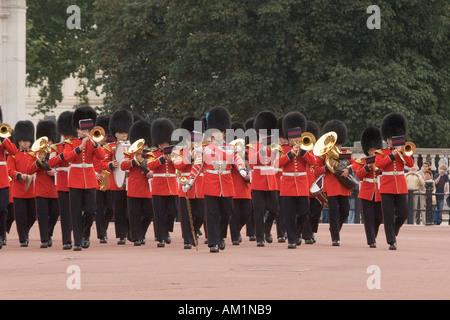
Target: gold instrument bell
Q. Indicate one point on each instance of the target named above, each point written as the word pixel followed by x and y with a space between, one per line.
pixel 97 134
pixel 307 141
pixel 41 145
pixel 137 147
pixel 409 148
pixel 326 146
pixel 5 130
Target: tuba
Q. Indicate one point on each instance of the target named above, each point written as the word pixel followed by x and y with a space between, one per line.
pixel 326 147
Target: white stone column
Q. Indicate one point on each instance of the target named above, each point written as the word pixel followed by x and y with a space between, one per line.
pixel 13 59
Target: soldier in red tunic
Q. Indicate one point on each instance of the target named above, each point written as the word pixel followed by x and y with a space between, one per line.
pixel 217 159
pixel 264 182
pixel 164 182
pixel 294 190
pixel 82 183
pixel 139 196
pixel 368 173
pixel 46 195
pixel 6 146
pixel 119 125
pixel 57 161
pixel 337 193
pixel 183 161
pixel 24 204
pixel 393 188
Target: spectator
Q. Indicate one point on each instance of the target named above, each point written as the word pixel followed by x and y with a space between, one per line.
pixel 441 181
pixel 422 201
pixel 415 184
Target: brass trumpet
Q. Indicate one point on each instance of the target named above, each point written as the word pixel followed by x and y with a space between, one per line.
pixel 97 134
pixel 5 130
pixel 408 149
pixel 307 141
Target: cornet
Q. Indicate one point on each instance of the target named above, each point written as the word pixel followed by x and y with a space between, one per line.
pixel 5 130
pixel 306 141
pixel 97 134
pixel 408 149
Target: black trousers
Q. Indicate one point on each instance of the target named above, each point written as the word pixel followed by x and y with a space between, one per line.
pixel 47 210
pixel 104 212
pixel 82 207
pixel 25 215
pixel 250 226
pixel 198 215
pixel 312 223
pixel 264 201
pixel 296 211
pixel 165 209
pixel 339 207
pixel 242 209
pixel 280 220
pixel 140 215
pixel 65 217
pixel 372 218
pixel 120 213
pixel 395 212
pixel 218 215
pixel 4 202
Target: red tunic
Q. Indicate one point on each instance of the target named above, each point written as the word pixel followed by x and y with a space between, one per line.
pixel 6 147
pixel 216 162
pixel 332 187
pixel 393 179
pixel 369 181
pixel 294 182
pixel 164 182
pixel 81 172
pixel 18 165
pixel 263 173
pixel 242 188
pixel 44 184
pixel 62 167
pixel 183 164
pixel 138 184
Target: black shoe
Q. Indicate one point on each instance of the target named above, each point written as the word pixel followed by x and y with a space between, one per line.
pixel 137 243
pixel 236 242
pixel 121 241
pixel 373 245
pixel 86 243
pixel 281 239
pixel 161 244
pixel 44 245
pixel 260 244
pixel 292 246
pixel 50 243
pixel 252 238
pixel 24 244
pixel 299 241
pixel 104 240
pixel 309 241
pixel 269 238
pixel 393 246
pixel 168 239
pixel 77 248
pixel 222 244
pixel 188 246
pixel 67 246
pixel 214 248
pixel 335 243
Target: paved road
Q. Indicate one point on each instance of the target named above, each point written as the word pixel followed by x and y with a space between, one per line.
pixel 419 269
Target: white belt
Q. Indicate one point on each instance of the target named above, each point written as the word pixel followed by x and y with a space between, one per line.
pixel 185 174
pixel 393 173
pixel 218 172
pixel 264 168
pixel 294 174
pixel 81 165
pixel 164 175
pixel 63 169
pixel 2 163
pixel 370 180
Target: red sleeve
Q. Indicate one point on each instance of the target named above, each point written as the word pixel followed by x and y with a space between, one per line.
pixel 9 146
pixel 127 163
pixel 11 164
pixel 69 152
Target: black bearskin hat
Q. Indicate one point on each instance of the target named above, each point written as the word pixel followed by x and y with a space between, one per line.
pixel 81 113
pixel 47 128
pixel 1 115
pixel 218 118
pixel 280 127
pixel 293 119
pixel 339 127
pixel 265 120
pixel 393 124
pixel 24 130
pixel 188 123
pixel 313 128
pixel 64 124
pixel 121 121
pixel 161 131
pixel 249 124
pixel 371 138
pixel 103 121
pixel 141 129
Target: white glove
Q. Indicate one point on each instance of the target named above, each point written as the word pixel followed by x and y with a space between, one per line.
pixel 187 186
pixel 243 173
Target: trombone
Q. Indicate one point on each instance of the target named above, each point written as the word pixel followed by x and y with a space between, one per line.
pixel 5 130
pixel 97 134
pixel 408 149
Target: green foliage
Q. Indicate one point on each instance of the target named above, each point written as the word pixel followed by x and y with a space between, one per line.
pixel 181 57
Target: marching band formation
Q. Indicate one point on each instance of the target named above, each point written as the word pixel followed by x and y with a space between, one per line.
pixel 220 175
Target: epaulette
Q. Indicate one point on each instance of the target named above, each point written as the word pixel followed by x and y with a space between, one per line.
pixel 359 161
pixel 250 146
pixel 379 151
pixel 68 141
pixel 32 154
pixel 54 146
pixel 107 148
